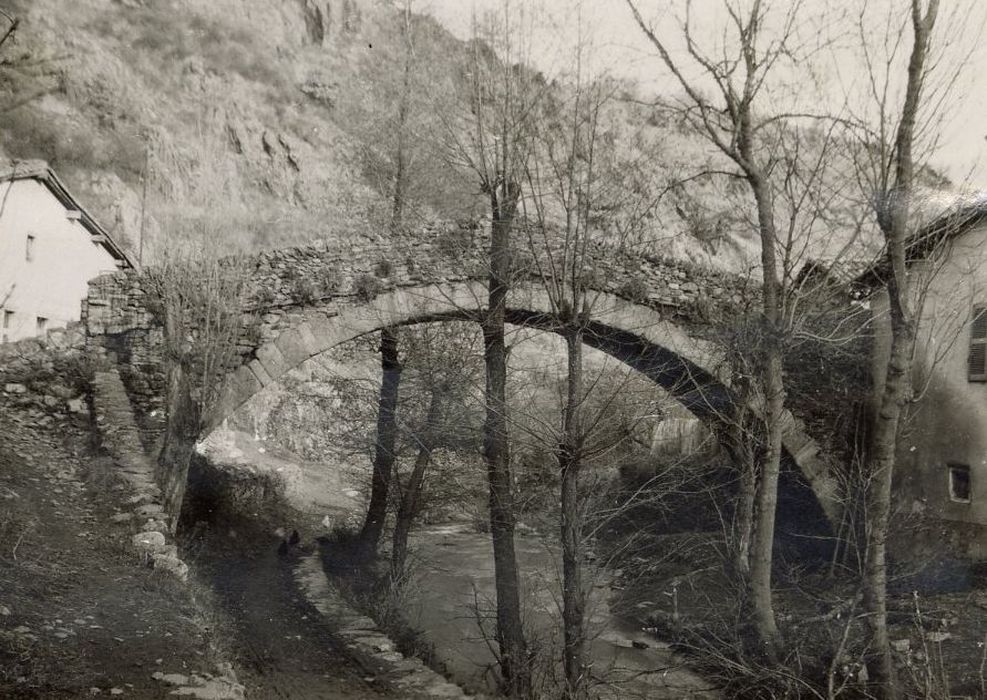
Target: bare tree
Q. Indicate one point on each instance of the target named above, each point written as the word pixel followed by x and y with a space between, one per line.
pixel 199 300
pixel 442 360
pixel 8 31
pixel 384 455
pixel 491 140
pixel 571 180
pixel 891 176
pixel 760 41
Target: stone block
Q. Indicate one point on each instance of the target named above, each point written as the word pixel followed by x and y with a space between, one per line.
pixel 357 321
pixel 240 386
pixel 311 342
pixel 258 369
pixel 293 348
pixel 272 360
pixel 172 565
pixel 150 509
pixel 148 540
pixel 164 551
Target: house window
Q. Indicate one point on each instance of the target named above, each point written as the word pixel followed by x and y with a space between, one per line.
pixel 8 319
pixel 959 483
pixel 29 249
pixel 41 326
pixel 977 357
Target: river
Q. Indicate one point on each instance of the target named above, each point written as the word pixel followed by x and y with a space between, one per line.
pixel 452 567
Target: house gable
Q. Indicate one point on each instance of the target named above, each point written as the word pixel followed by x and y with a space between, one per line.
pixel 49 249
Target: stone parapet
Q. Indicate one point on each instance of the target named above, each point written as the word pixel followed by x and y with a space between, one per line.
pixel 359 635
pixel 121 439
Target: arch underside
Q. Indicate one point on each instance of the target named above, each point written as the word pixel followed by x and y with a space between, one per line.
pixel 631 333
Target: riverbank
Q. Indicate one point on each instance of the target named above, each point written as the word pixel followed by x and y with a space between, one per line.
pixel 452 576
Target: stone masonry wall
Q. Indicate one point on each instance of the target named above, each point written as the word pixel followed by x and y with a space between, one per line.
pixel 286 284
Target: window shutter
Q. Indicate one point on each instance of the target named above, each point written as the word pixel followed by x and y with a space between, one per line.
pixel 977 357
pixel 977 361
pixel 978 330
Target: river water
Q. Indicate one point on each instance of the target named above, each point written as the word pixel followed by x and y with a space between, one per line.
pixel 452 570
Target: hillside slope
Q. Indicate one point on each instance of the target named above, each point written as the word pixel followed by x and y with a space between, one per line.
pixel 256 124
pixel 228 106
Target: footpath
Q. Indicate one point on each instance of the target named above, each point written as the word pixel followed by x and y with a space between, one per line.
pixel 82 614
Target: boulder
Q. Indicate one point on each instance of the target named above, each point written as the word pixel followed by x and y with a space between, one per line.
pixel 173 565
pixel 165 551
pixel 148 540
pixel 155 524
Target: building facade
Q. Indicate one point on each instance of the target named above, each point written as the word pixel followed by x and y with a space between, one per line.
pixel 50 248
pixel 941 466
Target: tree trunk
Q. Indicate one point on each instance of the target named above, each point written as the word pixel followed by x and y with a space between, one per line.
pixel 386 436
pixel 743 450
pixel 883 444
pixel 514 662
pixel 408 507
pixel 772 380
pixel 181 434
pixel 762 553
pixel 897 383
pixel 571 524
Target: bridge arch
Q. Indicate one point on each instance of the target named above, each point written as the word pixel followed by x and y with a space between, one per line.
pixel 634 333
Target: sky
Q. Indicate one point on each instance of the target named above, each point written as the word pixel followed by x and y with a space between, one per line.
pixel 620 46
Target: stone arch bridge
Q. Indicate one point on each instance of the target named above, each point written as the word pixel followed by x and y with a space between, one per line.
pixel 651 313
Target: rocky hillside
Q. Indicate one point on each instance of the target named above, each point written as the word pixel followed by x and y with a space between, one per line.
pixel 259 123
pixel 228 110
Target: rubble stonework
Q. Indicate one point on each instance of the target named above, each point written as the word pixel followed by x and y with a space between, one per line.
pixel 121 440
pixel 364 641
pixel 286 286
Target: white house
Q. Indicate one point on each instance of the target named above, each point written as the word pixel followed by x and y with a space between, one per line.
pixel 941 470
pixel 50 248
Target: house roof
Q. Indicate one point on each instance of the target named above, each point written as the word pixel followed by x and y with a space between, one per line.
pixel 837 271
pixel 958 217
pixel 40 170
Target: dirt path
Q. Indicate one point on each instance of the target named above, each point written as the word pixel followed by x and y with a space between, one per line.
pixel 80 617
pixel 284 650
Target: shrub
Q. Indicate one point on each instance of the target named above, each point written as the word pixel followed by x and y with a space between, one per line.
pixel 367 287
pixel 454 242
pixel 592 278
pixel 634 290
pixel 265 296
pixel 330 282
pixel 305 290
pixel 384 268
